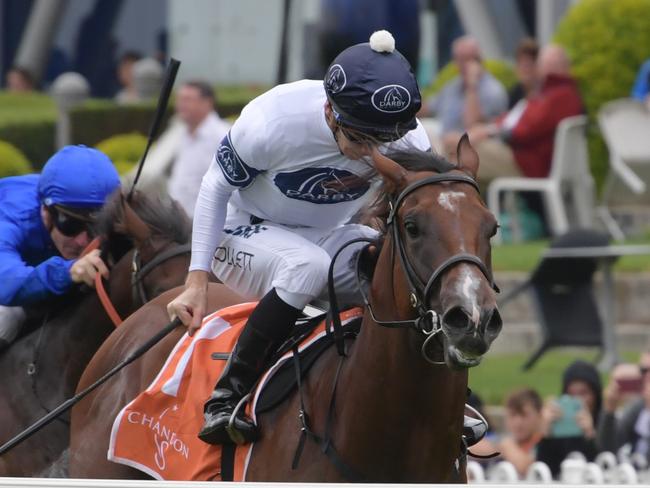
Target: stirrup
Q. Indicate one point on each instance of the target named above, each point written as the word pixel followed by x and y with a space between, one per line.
pixel 473 430
pixel 235 435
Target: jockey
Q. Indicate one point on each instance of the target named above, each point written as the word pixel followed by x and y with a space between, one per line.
pixel 276 203
pixel 44 226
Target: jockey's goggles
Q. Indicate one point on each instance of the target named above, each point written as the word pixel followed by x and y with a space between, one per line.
pixel 72 222
pixel 367 135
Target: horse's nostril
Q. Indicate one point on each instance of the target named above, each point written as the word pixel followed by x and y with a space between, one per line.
pixel 495 323
pixel 456 318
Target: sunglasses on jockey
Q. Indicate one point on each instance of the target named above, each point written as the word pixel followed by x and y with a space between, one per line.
pixel 367 135
pixel 73 221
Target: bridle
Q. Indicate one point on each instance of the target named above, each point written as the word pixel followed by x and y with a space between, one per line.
pixel 139 272
pixel 428 321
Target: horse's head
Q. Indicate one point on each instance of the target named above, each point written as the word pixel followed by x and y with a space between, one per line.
pixel 440 233
pixel 158 230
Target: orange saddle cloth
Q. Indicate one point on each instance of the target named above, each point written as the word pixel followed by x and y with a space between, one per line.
pixel 157 432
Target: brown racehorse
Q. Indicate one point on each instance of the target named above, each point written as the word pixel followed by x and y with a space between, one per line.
pixel 42 368
pixel 396 417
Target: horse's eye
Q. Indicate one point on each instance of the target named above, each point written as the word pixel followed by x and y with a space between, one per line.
pixel 411 229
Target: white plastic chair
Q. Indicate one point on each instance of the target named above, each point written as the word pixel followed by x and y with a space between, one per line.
pixel 625 127
pixel 569 177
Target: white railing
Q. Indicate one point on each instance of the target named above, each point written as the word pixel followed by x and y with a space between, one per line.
pixel 93 483
pixel 606 469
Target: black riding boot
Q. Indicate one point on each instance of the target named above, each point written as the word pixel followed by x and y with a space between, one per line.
pixel 267 327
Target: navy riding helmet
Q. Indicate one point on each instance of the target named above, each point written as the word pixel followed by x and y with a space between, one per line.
pixel 372 88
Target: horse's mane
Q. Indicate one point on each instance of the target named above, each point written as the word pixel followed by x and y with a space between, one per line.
pixel 164 216
pixel 411 160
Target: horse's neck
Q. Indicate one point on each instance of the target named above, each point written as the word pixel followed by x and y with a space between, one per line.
pixel 390 388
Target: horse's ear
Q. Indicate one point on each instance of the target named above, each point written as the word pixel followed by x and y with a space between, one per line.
pixel 393 174
pixel 134 226
pixel 467 156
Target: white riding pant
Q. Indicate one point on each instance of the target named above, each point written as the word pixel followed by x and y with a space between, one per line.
pixel 11 320
pixel 252 259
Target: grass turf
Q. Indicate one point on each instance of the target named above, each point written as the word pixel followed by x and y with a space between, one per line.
pixel 499 374
pixel 525 256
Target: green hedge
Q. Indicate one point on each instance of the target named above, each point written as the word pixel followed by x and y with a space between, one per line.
pixel 607 41
pixel 29 121
pixel 124 150
pixel 97 120
pixel 12 161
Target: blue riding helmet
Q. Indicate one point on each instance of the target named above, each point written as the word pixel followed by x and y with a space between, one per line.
pixel 77 176
pixel 372 88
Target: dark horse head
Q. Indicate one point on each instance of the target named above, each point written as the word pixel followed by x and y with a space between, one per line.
pixel 156 229
pixel 441 253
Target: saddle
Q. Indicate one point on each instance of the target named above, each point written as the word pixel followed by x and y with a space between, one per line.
pixel 157 432
pixel 284 381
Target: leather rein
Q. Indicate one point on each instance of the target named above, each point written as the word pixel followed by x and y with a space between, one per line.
pixel 138 273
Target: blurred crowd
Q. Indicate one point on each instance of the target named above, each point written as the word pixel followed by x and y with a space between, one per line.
pixel 584 417
pixel 513 131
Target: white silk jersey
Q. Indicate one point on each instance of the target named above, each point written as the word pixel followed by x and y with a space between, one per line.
pixel 281 163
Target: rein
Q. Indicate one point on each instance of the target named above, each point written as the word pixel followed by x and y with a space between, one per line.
pixel 138 273
pixel 102 294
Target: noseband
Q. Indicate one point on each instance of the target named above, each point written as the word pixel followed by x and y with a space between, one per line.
pixel 139 272
pixel 428 321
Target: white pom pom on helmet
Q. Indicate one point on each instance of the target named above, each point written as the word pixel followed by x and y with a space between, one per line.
pixel 382 41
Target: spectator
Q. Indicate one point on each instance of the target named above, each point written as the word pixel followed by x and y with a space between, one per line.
pixel 632 427
pixel 581 381
pixel 641 89
pixel 526 148
pixel 523 423
pixel 195 106
pixel 473 97
pixel 20 80
pixel 128 93
pixel 525 69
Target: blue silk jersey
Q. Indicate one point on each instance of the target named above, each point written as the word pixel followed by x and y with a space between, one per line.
pixel 31 268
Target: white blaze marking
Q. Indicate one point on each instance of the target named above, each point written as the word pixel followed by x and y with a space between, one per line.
pixel 468 286
pixel 449 199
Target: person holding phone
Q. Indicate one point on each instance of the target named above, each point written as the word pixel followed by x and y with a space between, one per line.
pixel 569 421
pixel 632 426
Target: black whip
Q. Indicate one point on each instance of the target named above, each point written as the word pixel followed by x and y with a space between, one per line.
pixel 163 100
pixel 68 404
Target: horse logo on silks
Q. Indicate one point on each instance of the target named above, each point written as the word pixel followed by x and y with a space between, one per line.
pixel 391 99
pixel 234 169
pixel 336 79
pixel 322 185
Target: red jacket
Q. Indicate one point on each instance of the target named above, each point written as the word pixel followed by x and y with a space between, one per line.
pixel 531 139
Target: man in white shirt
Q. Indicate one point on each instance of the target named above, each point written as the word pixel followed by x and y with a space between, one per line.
pixel 195 106
pixel 275 204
